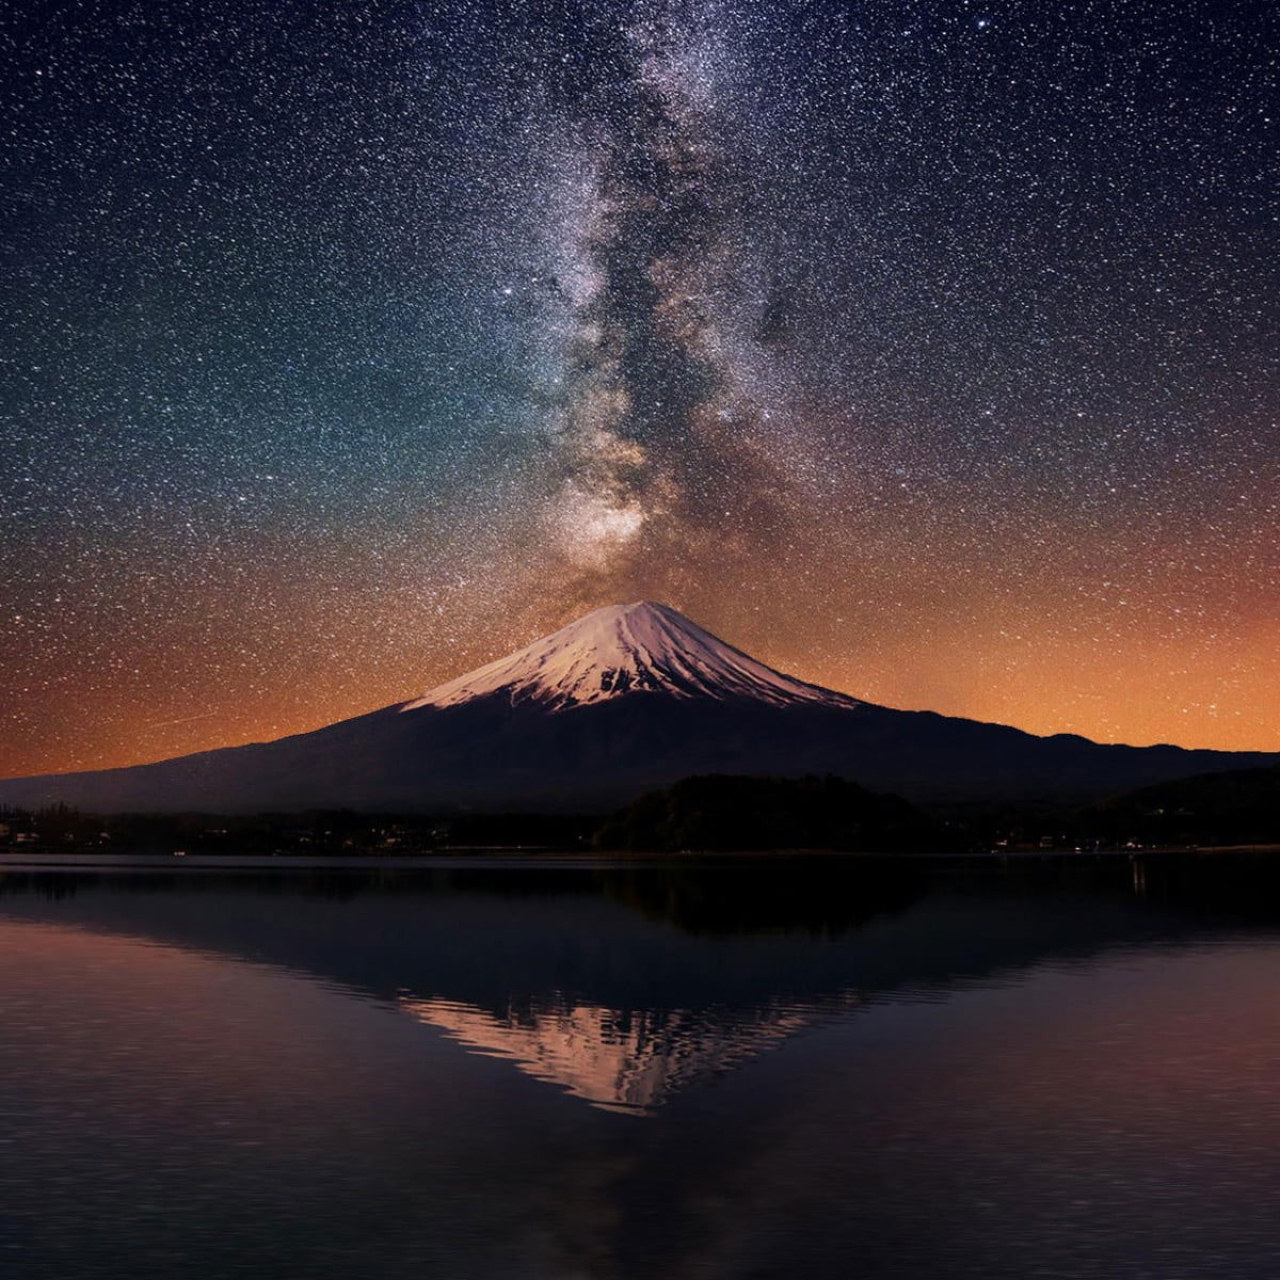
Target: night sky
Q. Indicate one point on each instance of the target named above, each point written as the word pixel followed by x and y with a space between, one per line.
pixel 927 351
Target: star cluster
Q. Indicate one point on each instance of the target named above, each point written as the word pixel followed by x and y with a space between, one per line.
pixel 927 350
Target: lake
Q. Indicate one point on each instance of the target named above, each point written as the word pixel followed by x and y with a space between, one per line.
pixel 767 1068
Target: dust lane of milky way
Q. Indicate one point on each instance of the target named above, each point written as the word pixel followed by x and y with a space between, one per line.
pixel 926 351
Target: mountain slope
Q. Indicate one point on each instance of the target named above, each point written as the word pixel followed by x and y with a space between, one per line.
pixel 625 700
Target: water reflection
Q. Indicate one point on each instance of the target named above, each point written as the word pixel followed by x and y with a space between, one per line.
pixel 628 1060
pixel 623 986
pixel 330 1075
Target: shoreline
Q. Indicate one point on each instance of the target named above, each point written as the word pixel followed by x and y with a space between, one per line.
pixel 516 856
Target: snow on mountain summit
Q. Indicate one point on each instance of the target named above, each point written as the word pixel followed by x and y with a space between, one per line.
pixel 622 650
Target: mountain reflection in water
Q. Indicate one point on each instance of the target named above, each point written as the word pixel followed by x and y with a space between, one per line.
pixel 622 985
pixel 391 1072
pixel 615 1059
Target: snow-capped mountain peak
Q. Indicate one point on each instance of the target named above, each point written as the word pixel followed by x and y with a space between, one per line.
pixel 626 650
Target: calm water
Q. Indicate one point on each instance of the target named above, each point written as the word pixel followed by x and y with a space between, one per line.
pixel 722 1072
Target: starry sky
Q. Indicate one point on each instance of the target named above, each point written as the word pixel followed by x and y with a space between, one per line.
pixel 929 351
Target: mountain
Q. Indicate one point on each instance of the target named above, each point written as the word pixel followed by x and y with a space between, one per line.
pixel 627 699
pixel 625 649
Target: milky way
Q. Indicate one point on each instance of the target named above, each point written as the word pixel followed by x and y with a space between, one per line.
pixel 928 351
pixel 655 439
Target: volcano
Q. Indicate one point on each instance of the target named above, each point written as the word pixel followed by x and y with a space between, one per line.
pixel 629 649
pixel 625 699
